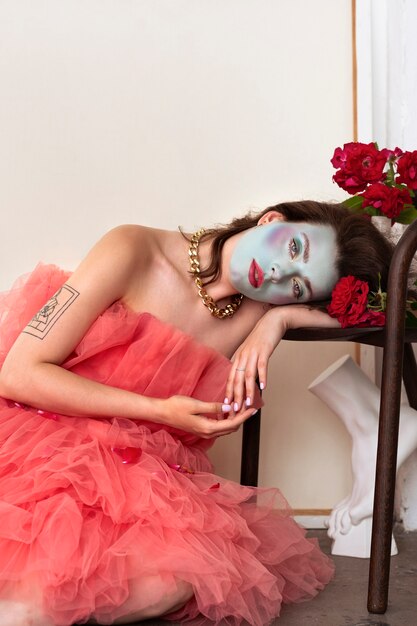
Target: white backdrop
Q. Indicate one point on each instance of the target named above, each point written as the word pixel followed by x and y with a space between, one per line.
pixel 185 112
pixel 387 53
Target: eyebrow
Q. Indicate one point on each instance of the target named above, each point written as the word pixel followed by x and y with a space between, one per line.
pixel 306 253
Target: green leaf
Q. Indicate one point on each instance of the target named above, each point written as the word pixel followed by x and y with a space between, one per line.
pixel 413 306
pixel 407 215
pixel 390 176
pixel 354 204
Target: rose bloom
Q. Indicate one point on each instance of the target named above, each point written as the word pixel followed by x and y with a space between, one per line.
pixel 407 169
pixel 349 301
pixel 349 304
pixel 372 318
pixel 389 200
pixel 392 154
pixel 358 165
pixel 348 182
pixel 340 157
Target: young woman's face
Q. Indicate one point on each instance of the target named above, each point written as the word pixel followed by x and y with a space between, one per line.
pixel 285 262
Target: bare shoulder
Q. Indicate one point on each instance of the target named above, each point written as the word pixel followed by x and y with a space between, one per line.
pixel 124 248
pixel 128 241
pixel 107 271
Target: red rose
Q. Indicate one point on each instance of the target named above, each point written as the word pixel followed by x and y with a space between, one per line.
pixel 407 169
pixel 372 318
pixel 349 301
pixel 339 157
pixel 358 165
pixel 348 182
pixel 389 200
pixel 392 154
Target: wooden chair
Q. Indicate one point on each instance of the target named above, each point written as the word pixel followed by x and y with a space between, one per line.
pixel 398 362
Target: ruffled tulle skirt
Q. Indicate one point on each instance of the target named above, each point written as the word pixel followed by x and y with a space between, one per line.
pixel 93 508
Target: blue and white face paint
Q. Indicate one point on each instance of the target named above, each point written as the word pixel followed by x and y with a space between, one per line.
pixel 283 262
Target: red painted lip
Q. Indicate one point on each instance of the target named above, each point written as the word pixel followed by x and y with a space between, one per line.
pixel 256 275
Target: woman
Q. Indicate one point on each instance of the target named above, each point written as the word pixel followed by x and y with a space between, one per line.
pixel 118 518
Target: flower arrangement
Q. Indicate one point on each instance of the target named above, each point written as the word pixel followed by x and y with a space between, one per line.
pixel 352 303
pixel 381 182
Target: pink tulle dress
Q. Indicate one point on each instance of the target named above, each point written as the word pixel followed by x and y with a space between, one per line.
pixel 89 505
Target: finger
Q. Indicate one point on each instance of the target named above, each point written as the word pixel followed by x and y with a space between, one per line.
pixel 250 378
pixel 239 388
pixel 220 408
pixel 244 390
pixel 263 371
pixel 227 432
pixel 235 375
pixel 233 423
pixel 229 386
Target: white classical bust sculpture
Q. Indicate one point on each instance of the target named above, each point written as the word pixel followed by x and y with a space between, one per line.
pixel 346 389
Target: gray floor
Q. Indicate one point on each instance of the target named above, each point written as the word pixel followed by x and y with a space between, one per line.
pixel 343 603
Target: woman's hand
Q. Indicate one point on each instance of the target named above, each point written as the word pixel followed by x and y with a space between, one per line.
pixel 251 358
pixel 189 414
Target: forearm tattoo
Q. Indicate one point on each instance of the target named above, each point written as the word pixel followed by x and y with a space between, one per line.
pixel 43 321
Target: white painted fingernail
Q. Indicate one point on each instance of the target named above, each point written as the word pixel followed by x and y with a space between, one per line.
pixel 226 408
pixel 254 412
pixel 226 400
pixel 262 386
pixel 236 407
pixel 248 401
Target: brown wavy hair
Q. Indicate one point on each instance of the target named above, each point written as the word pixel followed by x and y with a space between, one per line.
pixel 362 250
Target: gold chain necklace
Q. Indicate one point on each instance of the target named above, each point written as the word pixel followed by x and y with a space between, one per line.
pixel 229 309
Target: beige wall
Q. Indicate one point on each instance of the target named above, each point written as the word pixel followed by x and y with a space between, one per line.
pixel 179 112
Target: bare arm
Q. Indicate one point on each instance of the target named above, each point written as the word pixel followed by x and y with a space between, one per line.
pixel 251 358
pixel 32 372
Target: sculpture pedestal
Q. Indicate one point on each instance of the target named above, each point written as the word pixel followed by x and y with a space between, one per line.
pixel 357 542
pixel 355 400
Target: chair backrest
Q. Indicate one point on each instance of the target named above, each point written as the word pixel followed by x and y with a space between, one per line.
pixel 397 278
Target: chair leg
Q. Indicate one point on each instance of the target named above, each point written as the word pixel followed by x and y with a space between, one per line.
pixel 379 566
pixel 250 451
pixel 410 375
